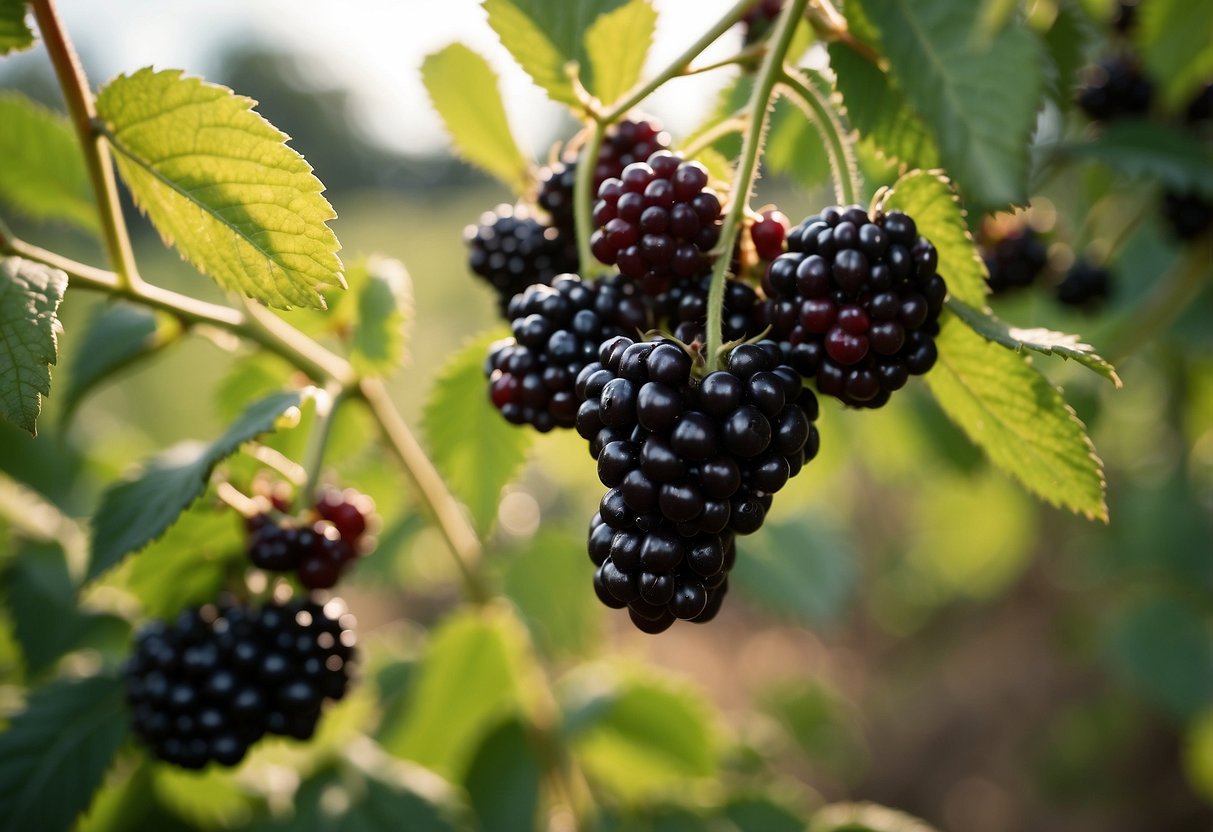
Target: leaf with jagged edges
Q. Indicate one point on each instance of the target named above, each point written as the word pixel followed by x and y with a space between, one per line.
pixel 617 44
pixel 464 90
pixel 1043 341
pixel 15 33
pixel 43 174
pixel 958 82
pixel 382 317
pixel 220 183
pixel 927 197
pixel 30 294
pixel 1018 418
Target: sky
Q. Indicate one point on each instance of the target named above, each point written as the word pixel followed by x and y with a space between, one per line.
pixel 373 47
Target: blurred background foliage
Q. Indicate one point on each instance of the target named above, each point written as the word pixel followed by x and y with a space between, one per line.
pixel 910 629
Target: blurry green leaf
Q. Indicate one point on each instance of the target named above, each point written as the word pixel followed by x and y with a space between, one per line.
pixel 476 449
pixel 54 753
pixel 815 96
pixel 1043 341
pixel 764 813
pixel 1066 42
pixel 1152 151
pixel 958 84
pixel 385 309
pixel 503 780
pixel 864 817
pixel 115 338
pixel 15 33
pixel 719 168
pixel 545 35
pixel 136 511
pixel 1165 647
pixel 640 736
pixel 467 681
pixel 794 148
pixel 1019 418
pixel 219 182
pixel 929 199
pixel 616 45
pixel 804 569
pixel 30 294
pixel 464 90
pixel 1164 533
pixel 1175 39
pixel 818 721
pixel 210 799
pixel 1198 754
pixel 878 110
pixel 43 174
pixel 251 377
pixel 550 583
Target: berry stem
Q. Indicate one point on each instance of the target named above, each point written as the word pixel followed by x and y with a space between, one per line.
pixel 79 100
pixel 821 113
pixel 750 57
pixel 327 403
pixel 832 26
pixel 757 109
pixel 583 199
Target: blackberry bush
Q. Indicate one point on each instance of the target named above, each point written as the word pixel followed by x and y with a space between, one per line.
pixel 855 303
pixel 511 250
pixel 207 686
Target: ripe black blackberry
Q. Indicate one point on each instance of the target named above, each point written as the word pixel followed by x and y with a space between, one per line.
pixel 1085 284
pixel 683 310
pixel 657 222
pixel 213 682
pixel 317 552
pixel 855 303
pixel 512 250
pixel 1015 261
pixel 1188 215
pixel 1115 88
pixel 557 330
pixel 689 463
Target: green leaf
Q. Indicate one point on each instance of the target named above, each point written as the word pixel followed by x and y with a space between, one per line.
pixel 464 90
pixel 1066 42
pixel 1043 341
pixel 878 110
pixel 794 148
pixel 640 736
pixel 545 35
pixel 219 182
pixel 864 817
pixel 958 83
pixel 1152 151
pixel 43 174
pixel 1022 422
pixel 1165 647
pixel 476 450
pixel 385 310
pixel 135 512
pixel 30 294
pixel 549 587
pixel 617 44
pixel 209 799
pixel 928 198
pixel 504 780
pixel 763 813
pixel 54 753
pixel 1175 39
pixel 15 33
pixel 115 338
pixel 804 569
pixel 467 682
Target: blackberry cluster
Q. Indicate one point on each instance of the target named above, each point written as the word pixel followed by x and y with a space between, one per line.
pixel 855 302
pixel 209 685
pixel 657 222
pixel 511 250
pixel 557 331
pixel 317 552
pixel 684 309
pixel 1016 260
pixel 1085 284
pixel 1116 88
pixel 1189 215
pixel 688 465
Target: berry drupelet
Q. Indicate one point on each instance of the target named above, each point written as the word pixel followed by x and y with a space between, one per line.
pixel 855 303
pixel 512 250
pixel 684 309
pixel 207 686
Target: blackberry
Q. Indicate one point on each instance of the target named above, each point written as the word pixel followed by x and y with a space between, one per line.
pixel 213 682
pixel 1015 261
pixel 768 234
pixel 1116 88
pixel 512 250
pixel 684 310
pixel 1085 284
pixel 855 303
pixel 557 330
pixel 689 464
pixel 657 222
pixel 1188 215
pixel 318 553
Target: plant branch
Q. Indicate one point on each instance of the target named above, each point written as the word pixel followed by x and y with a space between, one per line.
pixel 751 56
pixel 583 199
pixel 831 25
pixel 79 100
pixel 313 455
pixel 747 166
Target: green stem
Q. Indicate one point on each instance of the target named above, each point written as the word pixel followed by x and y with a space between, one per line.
pixel 819 111
pixel 831 25
pixel 583 198
pixel 79 100
pixel 747 167
pixel 750 56
pixel 318 440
